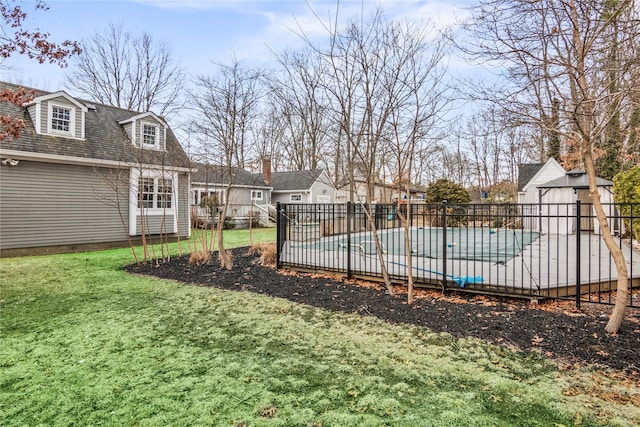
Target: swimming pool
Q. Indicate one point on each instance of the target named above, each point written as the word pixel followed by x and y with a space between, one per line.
pixel 477 244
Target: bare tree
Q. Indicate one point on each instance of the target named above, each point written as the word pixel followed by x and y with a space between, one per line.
pixel 270 137
pixel 493 150
pixel 419 95
pixel 126 71
pixel 356 84
pixel 225 105
pixel 379 82
pixel 15 39
pixel 301 96
pixel 561 50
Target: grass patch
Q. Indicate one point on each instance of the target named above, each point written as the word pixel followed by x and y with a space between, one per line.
pixel 85 343
pixel 232 239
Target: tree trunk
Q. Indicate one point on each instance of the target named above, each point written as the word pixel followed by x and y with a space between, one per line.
pixel 376 239
pixel 223 256
pixel 587 106
pixel 405 219
pixel 617 315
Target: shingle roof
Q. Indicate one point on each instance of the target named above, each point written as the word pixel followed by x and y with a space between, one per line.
pixel 575 179
pixel 213 174
pixel 294 180
pixel 105 139
pixel 526 172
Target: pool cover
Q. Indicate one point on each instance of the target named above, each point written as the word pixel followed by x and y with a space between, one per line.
pixel 478 244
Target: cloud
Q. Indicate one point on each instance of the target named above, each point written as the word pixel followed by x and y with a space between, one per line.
pixel 288 23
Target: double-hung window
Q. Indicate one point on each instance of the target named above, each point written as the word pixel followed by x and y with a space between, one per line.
pixel 149 135
pixel 165 187
pixel 155 193
pixel 60 119
pixel 147 191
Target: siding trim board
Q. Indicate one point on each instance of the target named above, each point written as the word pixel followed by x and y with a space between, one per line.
pixel 82 161
pixel 204 185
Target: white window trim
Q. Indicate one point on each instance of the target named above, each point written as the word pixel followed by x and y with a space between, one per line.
pixel 155 210
pixel 58 99
pixel 323 198
pixel 291 196
pixel 253 197
pixel 72 120
pixel 199 192
pixel 135 211
pixel 156 144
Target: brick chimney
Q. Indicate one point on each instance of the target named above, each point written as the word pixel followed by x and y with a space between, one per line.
pixel 266 169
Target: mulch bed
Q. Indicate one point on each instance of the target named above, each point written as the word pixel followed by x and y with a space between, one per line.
pixel 553 328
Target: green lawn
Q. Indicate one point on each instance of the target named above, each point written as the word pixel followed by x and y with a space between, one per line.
pixel 84 343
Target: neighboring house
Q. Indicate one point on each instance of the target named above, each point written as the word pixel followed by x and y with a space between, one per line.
pixel 83 174
pixel 383 193
pixel 249 194
pixel 310 186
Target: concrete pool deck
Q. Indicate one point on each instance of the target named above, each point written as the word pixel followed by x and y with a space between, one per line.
pixel 546 267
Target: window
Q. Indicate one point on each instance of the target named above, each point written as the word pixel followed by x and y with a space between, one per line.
pixel 155 193
pixel 164 193
pixel 198 195
pixel 324 199
pixel 296 197
pixel 146 188
pixel 60 119
pixel 256 194
pixel 149 135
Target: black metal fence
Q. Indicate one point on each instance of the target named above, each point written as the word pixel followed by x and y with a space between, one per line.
pixel 544 250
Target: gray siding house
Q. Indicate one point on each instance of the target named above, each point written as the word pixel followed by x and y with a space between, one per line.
pixel 82 175
pixel 249 194
pixel 310 186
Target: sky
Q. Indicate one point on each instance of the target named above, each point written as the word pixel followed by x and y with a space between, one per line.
pixel 200 32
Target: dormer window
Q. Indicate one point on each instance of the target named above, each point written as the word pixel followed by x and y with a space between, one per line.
pixel 149 135
pixel 146 131
pixel 58 114
pixel 60 119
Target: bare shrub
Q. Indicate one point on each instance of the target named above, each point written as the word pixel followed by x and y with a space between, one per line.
pixel 200 257
pixel 267 252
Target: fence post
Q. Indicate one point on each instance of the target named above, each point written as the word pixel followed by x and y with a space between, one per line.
pixel 444 246
pixel 349 212
pixel 578 227
pixel 279 241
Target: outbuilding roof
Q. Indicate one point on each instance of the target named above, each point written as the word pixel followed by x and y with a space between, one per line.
pixel 575 179
pixel 526 172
